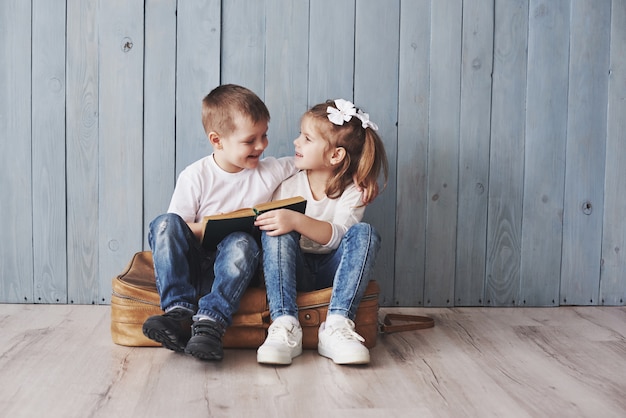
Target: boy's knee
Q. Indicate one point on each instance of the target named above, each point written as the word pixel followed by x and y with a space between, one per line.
pixel 238 253
pixel 162 223
pixel 240 243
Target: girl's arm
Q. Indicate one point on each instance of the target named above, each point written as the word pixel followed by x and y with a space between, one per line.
pixel 282 221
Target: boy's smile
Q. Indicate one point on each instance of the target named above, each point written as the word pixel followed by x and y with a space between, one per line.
pixel 242 148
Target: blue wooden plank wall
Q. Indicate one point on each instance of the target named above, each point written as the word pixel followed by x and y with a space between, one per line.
pixel 504 122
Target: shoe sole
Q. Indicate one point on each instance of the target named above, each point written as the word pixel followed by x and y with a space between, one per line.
pixel 271 358
pixel 164 337
pixel 204 355
pixel 345 359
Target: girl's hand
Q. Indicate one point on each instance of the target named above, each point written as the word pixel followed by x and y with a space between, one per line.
pixel 367 196
pixel 277 222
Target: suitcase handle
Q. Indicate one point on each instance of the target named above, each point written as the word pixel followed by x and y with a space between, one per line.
pixel 410 322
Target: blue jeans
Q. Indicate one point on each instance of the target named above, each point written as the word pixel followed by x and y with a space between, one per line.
pixel 209 283
pixel 347 269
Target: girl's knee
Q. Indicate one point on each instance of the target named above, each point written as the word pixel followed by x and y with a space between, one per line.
pixel 364 229
pixel 364 233
pixel 290 239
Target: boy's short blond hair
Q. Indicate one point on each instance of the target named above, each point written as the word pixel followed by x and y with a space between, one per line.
pixel 220 106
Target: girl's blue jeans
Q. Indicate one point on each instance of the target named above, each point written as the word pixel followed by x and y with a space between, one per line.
pixel 209 283
pixel 347 269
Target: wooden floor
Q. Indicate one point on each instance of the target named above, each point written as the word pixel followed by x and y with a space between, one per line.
pixel 59 361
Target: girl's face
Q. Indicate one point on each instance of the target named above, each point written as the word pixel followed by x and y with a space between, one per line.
pixel 312 150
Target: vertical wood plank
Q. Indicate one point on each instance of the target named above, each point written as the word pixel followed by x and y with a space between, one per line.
pixel 120 137
pixel 287 23
pixel 443 152
pixel 613 272
pixel 16 211
pixel 412 155
pixel 586 152
pixel 197 73
pixel 378 24
pixel 477 65
pixel 48 151
pixel 243 44
pixel 331 51
pixel 506 159
pixel 159 109
pixel 93 136
pixel 82 150
pixel 546 127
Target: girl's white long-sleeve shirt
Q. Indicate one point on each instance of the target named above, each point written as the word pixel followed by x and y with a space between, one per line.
pixel 341 213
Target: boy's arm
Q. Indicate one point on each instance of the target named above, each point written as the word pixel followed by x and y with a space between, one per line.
pixel 196 228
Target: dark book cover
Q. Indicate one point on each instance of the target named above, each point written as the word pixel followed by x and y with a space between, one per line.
pixel 217 227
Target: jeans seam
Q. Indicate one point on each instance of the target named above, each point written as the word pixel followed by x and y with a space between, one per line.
pixel 349 312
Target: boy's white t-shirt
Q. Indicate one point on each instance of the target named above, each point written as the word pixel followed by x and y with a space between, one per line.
pixel 203 188
pixel 341 213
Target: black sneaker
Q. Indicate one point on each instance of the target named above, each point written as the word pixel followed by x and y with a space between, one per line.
pixel 206 340
pixel 172 329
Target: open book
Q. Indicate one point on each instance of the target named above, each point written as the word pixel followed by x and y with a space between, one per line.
pixel 216 227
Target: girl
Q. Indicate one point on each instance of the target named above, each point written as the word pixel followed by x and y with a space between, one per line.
pixel 338 149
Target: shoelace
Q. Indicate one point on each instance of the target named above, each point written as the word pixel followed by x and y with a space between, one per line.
pixel 281 334
pixel 346 332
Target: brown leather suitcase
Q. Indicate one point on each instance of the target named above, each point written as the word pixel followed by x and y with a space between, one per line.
pixel 135 298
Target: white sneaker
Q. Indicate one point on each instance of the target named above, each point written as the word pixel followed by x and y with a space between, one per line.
pixel 341 344
pixel 283 343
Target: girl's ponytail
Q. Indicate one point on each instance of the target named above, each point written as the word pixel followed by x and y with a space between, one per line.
pixel 373 159
pixel 346 126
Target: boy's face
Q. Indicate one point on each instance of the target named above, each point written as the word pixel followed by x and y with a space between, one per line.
pixel 243 147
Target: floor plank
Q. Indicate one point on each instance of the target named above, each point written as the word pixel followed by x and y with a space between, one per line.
pixel 59 361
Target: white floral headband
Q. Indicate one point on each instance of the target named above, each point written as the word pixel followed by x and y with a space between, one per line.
pixel 344 112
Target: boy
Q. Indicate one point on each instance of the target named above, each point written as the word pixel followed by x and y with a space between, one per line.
pixel 200 290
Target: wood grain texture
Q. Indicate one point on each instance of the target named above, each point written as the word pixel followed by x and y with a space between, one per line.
pixel 243 44
pixel 331 51
pixel 512 362
pixel 502 120
pixel 506 157
pixel 159 114
pixel 613 267
pixel 198 34
pixel 377 24
pixel 586 152
pixel 82 113
pixel 286 71
pixel 443 152
pixel 16 169
pixel 544 168
pixel 48 152
pixel 120 132
pixel 412 155
pixel 475 130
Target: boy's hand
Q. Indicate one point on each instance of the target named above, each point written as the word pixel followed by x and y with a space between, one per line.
pixel 277 222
